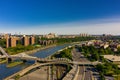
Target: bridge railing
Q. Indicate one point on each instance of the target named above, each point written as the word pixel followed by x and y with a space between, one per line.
pixel 3 51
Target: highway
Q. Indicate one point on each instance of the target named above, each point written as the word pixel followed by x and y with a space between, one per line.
pixel 85 72
pixel 78 59
pixel 88 75
pixel 81 71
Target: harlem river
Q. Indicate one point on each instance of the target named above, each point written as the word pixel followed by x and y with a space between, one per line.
pixel 4 71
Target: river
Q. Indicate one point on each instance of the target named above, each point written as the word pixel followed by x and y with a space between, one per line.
pixel 4 71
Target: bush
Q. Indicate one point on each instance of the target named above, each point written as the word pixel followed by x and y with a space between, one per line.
pixel 19 49
pixel 64 54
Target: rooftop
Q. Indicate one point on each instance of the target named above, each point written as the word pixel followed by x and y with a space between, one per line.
pixel 112 58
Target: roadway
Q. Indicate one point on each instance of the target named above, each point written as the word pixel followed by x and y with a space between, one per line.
pixel 40 74
pixel 2 56
pixel 78 59
pixel 85 72
pixel 71 74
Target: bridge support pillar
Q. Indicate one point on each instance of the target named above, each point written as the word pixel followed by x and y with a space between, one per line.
pixel 35 61
pixel 8 60
pixel 24 61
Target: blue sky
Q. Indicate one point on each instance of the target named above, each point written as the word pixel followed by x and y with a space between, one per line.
pixel 60 16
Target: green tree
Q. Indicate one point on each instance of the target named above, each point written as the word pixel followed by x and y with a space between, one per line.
pixel 3 43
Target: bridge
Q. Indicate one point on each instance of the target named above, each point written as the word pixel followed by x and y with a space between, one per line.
pixel 24 56
pixel 44 61
pixel 2 56
pixel 24 71
pixel 3 52
pixel 59 61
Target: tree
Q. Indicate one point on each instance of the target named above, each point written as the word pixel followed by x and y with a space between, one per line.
pixel 3 42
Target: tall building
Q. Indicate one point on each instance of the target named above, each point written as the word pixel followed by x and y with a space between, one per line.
pixel 32 40
pixel 28 40
pixel 6 36
pixel 7 42
pixel 25 40
pixel 11 41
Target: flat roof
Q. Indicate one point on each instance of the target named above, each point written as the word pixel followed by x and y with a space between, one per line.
pixel 113 58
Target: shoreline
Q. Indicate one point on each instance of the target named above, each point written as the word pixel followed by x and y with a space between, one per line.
pixel 33 51
pixel 50 56
pixel 38 49
pixel 42 48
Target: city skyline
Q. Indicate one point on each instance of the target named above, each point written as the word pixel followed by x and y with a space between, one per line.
pixel 60 17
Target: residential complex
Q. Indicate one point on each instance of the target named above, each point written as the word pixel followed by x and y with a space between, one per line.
pixel 12 41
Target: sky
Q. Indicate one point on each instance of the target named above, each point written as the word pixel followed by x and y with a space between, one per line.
pixel 60 16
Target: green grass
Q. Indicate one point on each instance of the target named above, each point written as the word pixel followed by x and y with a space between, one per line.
pixel 117 77
pixel 2 61
pixel 12 64
pixel 19 49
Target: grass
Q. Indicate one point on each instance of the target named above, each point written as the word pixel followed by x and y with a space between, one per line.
pixel 12 64
pixel 117 77
pixel 2 61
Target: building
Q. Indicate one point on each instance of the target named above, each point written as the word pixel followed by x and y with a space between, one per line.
pixel 50 35
pixel 25 40
pixel 11 41
pixel 47 42
pixel 112 58
pixel 32 40
pixel 84 35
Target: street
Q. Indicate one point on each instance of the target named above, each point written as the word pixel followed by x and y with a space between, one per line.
pixel 86 72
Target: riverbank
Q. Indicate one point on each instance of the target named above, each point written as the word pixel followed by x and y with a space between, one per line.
pixel 13 64
pixel 39 49
pixel 51 56
pixel 33 51
pixel 49 51
pixel 3 61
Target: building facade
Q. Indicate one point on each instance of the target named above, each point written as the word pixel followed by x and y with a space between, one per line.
pixel 11 41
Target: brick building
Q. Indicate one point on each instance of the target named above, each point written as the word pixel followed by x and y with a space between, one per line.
pixel 32 40
pixel 11 41
pixel 28 40
pixel 25 40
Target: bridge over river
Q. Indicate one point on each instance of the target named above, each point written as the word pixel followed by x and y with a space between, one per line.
pixel 45 61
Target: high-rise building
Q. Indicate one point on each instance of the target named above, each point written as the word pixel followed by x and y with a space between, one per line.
pixel 32 40
pixel 25 40
pixel 7 42
pixel 6 36
pixel 11 41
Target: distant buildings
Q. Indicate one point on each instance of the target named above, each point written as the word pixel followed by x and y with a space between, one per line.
pixel 12 41
pixel 73 36
pixel 50 35
pixel 112 58
pixel 84 35
pixel 67 36
pixel 47 42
